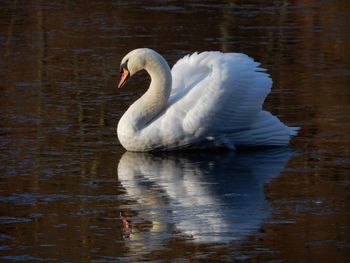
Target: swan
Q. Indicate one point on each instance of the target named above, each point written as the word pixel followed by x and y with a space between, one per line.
pixel 208 99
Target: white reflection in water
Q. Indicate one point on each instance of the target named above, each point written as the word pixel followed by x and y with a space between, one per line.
pixel 206 196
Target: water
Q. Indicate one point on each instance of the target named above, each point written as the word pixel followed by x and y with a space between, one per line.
pixel 69 192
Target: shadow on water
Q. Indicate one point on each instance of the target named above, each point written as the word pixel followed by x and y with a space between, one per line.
pixel 202 196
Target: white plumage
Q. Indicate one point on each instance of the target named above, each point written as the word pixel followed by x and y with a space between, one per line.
pixel 210 99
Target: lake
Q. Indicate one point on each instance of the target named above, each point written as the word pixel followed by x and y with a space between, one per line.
pixel 70 193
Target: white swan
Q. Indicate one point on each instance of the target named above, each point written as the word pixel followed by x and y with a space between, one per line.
pixel 208 99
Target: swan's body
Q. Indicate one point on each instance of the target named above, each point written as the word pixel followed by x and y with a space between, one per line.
pixel 210 99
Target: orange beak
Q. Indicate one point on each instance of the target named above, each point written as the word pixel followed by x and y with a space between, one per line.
pixel 124 77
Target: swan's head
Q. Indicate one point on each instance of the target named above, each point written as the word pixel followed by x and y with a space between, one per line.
pixel 135 61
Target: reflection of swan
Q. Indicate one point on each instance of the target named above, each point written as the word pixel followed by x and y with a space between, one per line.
pixel 207 99
pixel 215 197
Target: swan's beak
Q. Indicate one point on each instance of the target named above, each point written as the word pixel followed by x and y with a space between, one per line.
pixel 124 77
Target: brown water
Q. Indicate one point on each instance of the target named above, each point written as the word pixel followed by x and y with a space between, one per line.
pixel 69 193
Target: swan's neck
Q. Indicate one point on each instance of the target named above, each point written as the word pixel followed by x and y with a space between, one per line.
pixel 154 101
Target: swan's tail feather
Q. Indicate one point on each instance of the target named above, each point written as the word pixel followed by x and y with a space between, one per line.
pixel 267 130
pixel 294 131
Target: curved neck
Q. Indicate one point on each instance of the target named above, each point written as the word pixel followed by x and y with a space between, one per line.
pixel 154 101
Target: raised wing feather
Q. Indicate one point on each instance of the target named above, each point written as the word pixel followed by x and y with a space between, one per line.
pixel 218 92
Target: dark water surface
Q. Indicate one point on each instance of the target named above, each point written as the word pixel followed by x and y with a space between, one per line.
pixel 70 193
